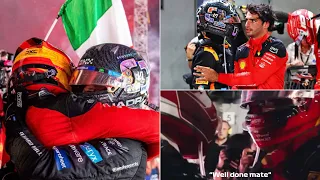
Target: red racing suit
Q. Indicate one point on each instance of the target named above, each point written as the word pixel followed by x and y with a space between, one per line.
pixel 70 119
pixel 4 157
pixel 259 63
pixel 298 160
pixel 317 54
pixel 299 157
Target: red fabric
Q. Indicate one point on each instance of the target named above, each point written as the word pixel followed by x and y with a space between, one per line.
pixel 275 158
pixel 266 72
pixel 316 51
pixel 53 128
pixel 317 54
pixel 4 157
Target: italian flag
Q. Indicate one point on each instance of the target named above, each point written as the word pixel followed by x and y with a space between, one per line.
pixel 92 22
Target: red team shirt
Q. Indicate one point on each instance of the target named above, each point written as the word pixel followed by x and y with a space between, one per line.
pixel 260 63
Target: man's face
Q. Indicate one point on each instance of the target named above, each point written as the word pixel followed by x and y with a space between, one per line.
pixel 223 132
pixel 254 26
pixel 93 88
pixel 304 42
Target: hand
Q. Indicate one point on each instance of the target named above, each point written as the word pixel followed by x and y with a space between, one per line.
pixel 222 158
pixel 14 123
pixel 297 63
pixel 191 47
pixel 246 160
pixel 206 74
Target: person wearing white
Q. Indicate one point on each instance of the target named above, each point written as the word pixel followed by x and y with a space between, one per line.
pixel 304 56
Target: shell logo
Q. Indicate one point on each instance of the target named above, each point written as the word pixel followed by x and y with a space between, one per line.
pixel 242 65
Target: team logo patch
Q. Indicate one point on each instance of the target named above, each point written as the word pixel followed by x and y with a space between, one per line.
pixel 61 159
pixel 91 152
pixel 273 50
pixel 210 9
pixel 242 65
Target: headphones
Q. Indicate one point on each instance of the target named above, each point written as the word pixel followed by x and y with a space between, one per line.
pixel 230 128
pixel 230 131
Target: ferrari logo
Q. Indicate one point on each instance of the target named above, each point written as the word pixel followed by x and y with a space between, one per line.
pixel 314 175
pixel 242 65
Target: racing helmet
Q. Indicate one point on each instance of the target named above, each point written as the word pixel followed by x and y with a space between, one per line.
pixel 275 117
pixel 123 72
pixel 300 25
pixel 38 64
pixel 218 17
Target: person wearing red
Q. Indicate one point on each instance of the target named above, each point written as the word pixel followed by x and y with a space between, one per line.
pixel 40 78
pixel 118 68
pixel 286 126
pixel 301 26
pixel 316 33
pixel 260 63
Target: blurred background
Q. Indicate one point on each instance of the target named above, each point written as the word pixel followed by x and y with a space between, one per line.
pixel 178 27
pixel 21 20
pixel 197 107
pixel 191 124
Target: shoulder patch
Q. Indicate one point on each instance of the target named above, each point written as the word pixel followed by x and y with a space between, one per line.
pixel 242 47
pixel 278 49
pixel 242 52
pixel 212 51
pixel 274 46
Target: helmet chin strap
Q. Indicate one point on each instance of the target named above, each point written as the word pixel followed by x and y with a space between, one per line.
pixel 256 158
pixel 224 55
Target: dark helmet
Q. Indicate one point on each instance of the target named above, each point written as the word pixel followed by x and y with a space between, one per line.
pixel 121 69
pixel 218 18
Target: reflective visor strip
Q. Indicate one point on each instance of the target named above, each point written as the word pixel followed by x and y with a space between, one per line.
pixel 231 19
pixel 90 75
pixel 36 74
pixel 101 70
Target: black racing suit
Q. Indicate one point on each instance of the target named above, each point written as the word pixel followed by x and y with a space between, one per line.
pixel 175 167
pixel 211 55
pixel 97 159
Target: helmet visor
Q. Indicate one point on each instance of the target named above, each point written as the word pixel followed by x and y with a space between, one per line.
pixel 90 75
pixel 248 97
pixel 232 19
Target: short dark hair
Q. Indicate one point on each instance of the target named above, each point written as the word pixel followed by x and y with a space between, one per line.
pixel 264 12
pixel 3 53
